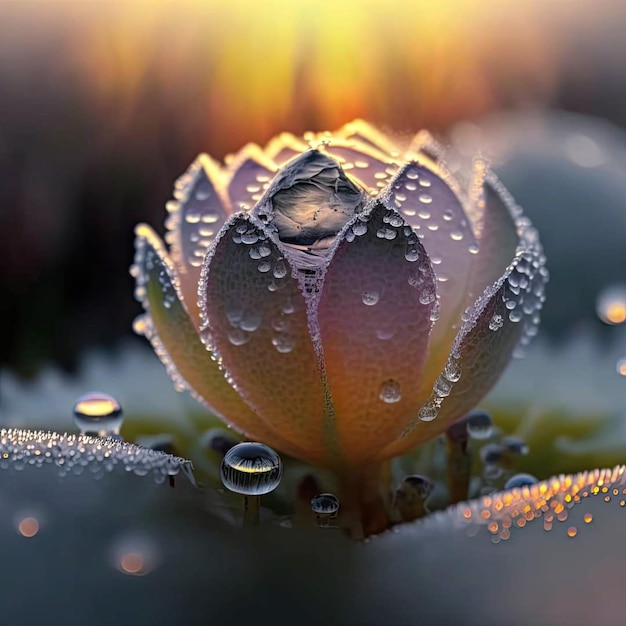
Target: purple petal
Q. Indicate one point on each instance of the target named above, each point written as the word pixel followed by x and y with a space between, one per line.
pixel 429 202
pixel 197 214
pixel 374 316
pixel 257 319
pixel 174 338
pixel 250 172
pixel 502 319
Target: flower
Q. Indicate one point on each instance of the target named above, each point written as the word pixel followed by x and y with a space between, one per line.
pixel 343 298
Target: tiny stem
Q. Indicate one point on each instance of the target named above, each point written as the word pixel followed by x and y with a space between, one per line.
pixel 365 499
pixel 251 508
pixel 459 465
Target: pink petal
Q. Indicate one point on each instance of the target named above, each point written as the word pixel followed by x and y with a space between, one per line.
pixel 249 172
pixel 198 213
pixel 284 147
pixel 493 223
pixel 174 338
pixel 369 166
pixel 374 318
pixel 505 317
pixel 428 199
pixel 258 324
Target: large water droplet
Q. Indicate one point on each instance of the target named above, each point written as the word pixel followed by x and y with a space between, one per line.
pixel 479 424
pixel 325 504
pixel 520 480
pixel 97 413
pixel 251 468
pixel 390 391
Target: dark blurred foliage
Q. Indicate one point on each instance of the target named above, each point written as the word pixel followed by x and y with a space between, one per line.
pixel 103 105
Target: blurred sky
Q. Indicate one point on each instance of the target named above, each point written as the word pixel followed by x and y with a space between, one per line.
pixel 103 104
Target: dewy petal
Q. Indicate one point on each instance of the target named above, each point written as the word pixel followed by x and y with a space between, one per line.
pixel 249 173
pixel 504 317
pixel 374 316
pixel 195 217
pixel 359 132
pixel 177 343
pixel 428 199
pixel 284 147
pixel 370 167
pixel 258 324
pixel 493 215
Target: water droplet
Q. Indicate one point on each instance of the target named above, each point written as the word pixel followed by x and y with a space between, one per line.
pixel 491 454
pixel 420 485
pixel 611 305
pixel 516 445
pixel 588 518
pixel 98 413
pixel 496 322
pixel 520 480
pixel 264 266
pixel 238 337
pixel 428 412
pixel 203 192
pixel 359 228
pixel 325 504
pixel 280 269
pixel 479 424
pixel 283 343
pixel 251 468
pixel 370 298
pixel 390 391
pixel 572 531
pixel 412 253
pixel 425 198
pixel 217 440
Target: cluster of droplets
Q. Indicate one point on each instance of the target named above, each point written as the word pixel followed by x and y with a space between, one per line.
pixel 77 454
pixel 527 501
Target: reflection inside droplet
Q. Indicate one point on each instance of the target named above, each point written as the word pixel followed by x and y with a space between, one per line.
pixel 98 413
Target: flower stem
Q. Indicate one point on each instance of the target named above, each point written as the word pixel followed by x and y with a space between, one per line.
pixel 365 498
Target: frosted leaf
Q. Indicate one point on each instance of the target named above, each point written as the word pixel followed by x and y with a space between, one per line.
pixel 70 453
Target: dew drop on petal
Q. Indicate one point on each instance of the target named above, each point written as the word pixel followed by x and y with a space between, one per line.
pixel 496 322
pixel 390 391
pixel 370 298
pixel 251 469
pixel 98 413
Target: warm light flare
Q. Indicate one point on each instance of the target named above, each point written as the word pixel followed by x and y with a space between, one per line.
pixel 28 527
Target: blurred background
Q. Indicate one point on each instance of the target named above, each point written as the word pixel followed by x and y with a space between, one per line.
pixel 104 104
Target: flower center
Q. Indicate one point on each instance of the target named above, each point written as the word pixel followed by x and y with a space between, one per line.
pixel 309 202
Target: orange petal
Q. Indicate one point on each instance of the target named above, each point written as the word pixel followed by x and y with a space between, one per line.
pixel 174 338
pixel 374 317
pixel 258 324
pixel 506 315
